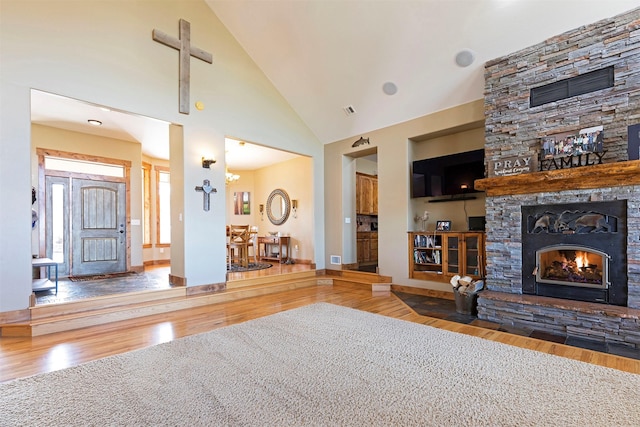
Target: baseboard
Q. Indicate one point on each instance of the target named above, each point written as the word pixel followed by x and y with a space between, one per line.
pixel 157 262
pixel 177 280
pixel 137 269
pixel 206 289
pixel 15 316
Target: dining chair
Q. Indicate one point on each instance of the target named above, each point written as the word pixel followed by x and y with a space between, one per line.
pixel 238 246
pixel 253 242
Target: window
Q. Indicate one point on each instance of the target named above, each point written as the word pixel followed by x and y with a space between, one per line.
pixel 83 166
pixel 146 205
pixel 163 206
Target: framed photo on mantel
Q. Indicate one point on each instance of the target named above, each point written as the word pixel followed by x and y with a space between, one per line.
pixel 443 225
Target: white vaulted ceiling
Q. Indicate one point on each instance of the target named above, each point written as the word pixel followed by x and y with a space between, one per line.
pixel 323 55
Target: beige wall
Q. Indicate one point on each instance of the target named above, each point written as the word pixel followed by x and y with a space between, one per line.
pixel 457 211
pixel 295 177
pixel 73 49
pixel 396 147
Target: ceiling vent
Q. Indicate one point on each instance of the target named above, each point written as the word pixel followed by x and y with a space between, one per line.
pixel 349 110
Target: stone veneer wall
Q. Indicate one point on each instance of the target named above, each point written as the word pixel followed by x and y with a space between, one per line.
pixel 515 129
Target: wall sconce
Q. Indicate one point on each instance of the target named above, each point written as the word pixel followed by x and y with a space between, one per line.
pixel 294 207
pixel 261 208
pixel 206 163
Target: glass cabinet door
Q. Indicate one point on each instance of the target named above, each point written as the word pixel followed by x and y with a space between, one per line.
pixel 453 253
pixel 472 255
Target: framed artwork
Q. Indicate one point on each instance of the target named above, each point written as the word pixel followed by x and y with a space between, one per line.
pixel 443 225
pixel 242 203
pixel 588 140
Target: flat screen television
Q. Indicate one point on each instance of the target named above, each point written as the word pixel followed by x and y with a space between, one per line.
pixel 447 175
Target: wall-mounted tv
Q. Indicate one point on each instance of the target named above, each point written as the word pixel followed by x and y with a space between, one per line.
pixel 447 175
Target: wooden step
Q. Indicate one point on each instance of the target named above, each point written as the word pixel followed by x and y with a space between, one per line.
pixel 266 280
pixel 373 281
pixel 52 318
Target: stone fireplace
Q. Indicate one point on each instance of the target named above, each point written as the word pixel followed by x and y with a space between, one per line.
pixel 562 246
pixel 530 283
pixel 576 251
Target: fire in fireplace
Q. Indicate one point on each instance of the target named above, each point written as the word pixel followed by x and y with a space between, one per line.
pixel 573 266
pixel 576 251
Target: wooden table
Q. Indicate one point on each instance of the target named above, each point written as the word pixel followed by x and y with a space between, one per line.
pixel 271 242
pixel 46 283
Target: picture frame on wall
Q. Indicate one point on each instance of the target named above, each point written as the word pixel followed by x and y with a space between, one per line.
pixel 443 225
pixel 242 203
pixel 584 141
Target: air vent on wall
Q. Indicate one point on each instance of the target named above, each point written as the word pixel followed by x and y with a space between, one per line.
pixel 574 86
pixel 349 110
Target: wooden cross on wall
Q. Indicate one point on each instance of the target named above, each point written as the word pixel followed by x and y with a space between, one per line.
pixel 183 44
pixel 206 190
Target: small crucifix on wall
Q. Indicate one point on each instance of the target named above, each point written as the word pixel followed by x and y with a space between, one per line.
pixel 206 190
pixel 183 44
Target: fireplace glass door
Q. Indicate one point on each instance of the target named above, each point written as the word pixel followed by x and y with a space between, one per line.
pixel 573 266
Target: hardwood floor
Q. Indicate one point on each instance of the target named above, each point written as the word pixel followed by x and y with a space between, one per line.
pixel 20 357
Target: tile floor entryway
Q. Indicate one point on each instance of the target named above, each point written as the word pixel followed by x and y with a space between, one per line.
pixel 446 310
pixel 153 278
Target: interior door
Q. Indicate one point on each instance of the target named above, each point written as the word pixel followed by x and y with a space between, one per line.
pixel 98 227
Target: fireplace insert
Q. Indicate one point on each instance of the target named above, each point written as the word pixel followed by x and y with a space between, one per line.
pixel 576 251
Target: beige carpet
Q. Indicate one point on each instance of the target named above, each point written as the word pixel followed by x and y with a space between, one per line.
pixel 326 365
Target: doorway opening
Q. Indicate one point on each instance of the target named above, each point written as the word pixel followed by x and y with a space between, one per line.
pixel 366 204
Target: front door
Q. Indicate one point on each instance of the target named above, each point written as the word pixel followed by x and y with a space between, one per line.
pixel 98 227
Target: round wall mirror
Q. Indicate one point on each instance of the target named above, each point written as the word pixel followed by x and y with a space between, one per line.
pixel 278 206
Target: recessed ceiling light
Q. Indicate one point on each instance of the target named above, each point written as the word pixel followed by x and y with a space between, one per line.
pixel 465 57
pixel 94 122
pixel 389 88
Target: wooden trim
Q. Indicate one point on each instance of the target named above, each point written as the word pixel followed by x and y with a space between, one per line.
pixel 586 177
pixel 82 157
pixel 177 280
pixel 425 292
pixel 157 262
pixel 162 245
pixel 136 269
pixel 15 316
pixel 146 204
pixel 206 289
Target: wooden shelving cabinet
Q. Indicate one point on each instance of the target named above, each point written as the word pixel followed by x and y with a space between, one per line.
pixel 366 194
pixel 440 255
pixel 367 247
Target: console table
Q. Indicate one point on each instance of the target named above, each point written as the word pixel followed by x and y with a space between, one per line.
pixel 46 283
pixel 270 244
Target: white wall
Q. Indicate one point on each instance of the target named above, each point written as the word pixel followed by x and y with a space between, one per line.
pixel 102 52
